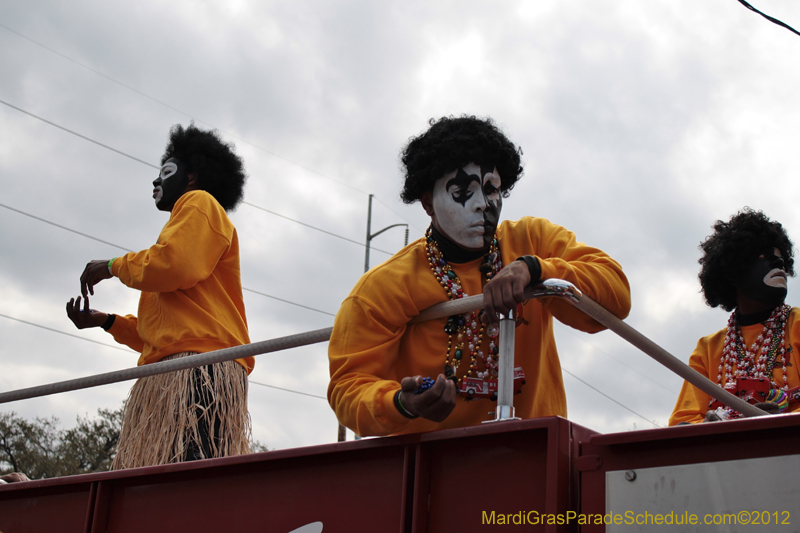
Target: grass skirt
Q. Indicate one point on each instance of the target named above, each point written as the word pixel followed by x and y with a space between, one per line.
pixel 197 413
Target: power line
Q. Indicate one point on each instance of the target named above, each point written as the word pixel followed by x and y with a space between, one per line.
pixel 63 227
pixel 312 227
pixel 288 302
pixel 76 134
pixel 155 167
pixel 609 397
pixel 137 91
pixel 65 333
pixel 93 70
pixel 128 250
pixel 184 113
pixel 132 351
pixel 289 390
pixel 398 214
pixel 572 332
pixel 771 19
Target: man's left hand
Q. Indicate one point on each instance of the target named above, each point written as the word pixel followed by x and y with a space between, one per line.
pixel 85 317
pixel 505 291
pixel 95 272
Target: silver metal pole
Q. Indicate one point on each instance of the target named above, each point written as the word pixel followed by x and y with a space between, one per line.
pixel 505 377
pixel 369 237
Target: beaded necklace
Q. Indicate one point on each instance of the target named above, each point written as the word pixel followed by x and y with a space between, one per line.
pixel 759 360
pixel 467 329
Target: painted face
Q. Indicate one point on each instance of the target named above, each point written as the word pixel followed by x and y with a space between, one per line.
pixel 467 204
pixel 765 280
pixel 170 184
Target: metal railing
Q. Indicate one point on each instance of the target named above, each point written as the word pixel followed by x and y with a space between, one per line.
pixel 551 288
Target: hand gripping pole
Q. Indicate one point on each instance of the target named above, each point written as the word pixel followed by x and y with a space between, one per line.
pixel 556 288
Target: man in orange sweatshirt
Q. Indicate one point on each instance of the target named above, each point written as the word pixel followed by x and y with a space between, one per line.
pixel 460 170
pixel 744 270
pixel 191 302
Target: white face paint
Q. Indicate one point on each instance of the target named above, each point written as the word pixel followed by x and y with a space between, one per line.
pixel 167 170
pixel 764 280
pixel 467 204
pixel 777 276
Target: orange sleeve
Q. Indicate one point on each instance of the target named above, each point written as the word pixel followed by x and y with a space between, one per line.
pixel 362 353
pixel 124 332
pixel 692 403
pixel 188 250
pixel 591 270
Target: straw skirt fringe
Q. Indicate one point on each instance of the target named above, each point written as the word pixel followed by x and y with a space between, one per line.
pixel 197 413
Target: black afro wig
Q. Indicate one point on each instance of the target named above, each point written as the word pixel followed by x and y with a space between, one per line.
pixel 219 171
pixel 451 143
pixel 729 252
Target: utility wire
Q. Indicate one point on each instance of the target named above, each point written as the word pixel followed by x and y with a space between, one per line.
pixel 63 227
pixel 771 19
pixel 312 227
pixel 109 78
pixel 131 351
pixel 128 250
pixel 288 302
pixel 572 332
pixel 289 390
pixel 184 113
pixel 422 231
pixel 140 93
pixel 76 134
pixel 65 333
pixel 155 167
pixel 609 397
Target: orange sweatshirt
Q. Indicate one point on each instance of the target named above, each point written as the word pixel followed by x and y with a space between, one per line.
pixel 191 286
pixel 373 347
pixel 693 403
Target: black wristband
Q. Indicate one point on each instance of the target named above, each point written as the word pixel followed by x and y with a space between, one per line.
pixel 399 405
pixel 534 268
pixel 109 321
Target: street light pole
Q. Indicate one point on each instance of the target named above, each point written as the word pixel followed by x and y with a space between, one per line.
pixel 371 236
pixel 369 228
pixel 342 430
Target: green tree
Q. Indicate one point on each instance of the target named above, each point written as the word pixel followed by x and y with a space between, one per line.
pixel 92 444
pixel 27 447
pixel 41 450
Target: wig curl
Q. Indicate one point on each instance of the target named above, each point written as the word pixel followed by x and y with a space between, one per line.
pixel 452 143
pixel 219 171
pixel 730 251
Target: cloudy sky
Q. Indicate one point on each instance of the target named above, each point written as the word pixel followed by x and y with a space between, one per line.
pixel 641 123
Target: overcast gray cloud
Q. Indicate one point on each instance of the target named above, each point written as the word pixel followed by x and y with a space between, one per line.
pixel 641 124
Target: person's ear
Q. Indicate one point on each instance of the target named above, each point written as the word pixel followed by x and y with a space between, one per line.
pixel 192 183
pixel 427 202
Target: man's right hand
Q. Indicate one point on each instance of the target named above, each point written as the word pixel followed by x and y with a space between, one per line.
pixel 84 318
pixel 434 404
